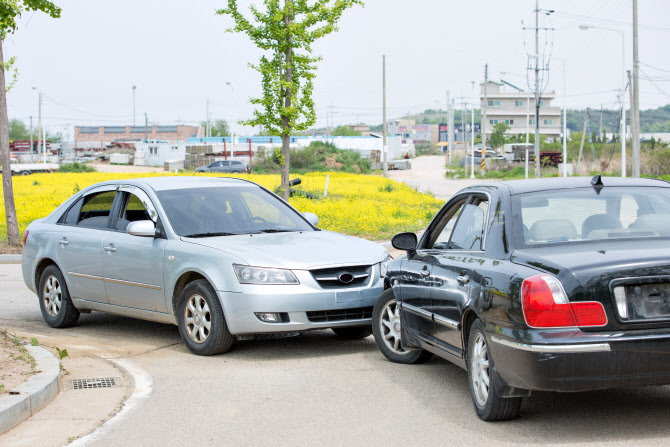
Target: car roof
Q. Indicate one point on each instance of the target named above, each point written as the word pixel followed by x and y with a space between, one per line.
pixel 182 182
pixel 554 183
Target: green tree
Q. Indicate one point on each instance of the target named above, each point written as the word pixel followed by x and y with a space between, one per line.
pixel 18 130
pixel 10 10
pixel 498 134
pixel 286 33
pixel 345 131
pixel 219 128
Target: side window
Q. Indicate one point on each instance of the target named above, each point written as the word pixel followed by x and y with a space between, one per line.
pixel 442 231
pixel 225 163
pixel 95 210
pixel 72 215
pixel 133 211
pixel 469 231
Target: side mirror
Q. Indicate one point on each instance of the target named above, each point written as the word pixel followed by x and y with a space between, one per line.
pixel 405 241
pixel 312 218
pixel 144 228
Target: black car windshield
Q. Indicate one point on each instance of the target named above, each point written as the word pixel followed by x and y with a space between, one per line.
pixel 583 214
pixel 223 211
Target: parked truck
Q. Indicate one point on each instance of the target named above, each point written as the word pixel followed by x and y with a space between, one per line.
pixel 31 168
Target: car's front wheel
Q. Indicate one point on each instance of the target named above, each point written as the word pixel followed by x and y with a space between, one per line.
pixel 489 406
pixel 55 303
pixel 386 329
pixel 202 324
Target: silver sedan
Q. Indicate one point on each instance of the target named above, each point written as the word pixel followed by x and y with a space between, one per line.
pixel 222 258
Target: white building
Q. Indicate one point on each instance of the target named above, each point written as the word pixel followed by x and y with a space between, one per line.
pixel 508 104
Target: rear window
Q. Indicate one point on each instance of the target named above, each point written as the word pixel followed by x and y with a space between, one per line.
pixel 576 215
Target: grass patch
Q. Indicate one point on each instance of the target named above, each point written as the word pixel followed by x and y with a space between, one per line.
pixel 319 156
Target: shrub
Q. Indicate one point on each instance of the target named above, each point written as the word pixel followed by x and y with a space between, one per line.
pixel 317 157
pixel 76 167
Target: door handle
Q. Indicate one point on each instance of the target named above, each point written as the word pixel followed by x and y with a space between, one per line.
pixel 63 242
pixel 464 279
pixel 110 247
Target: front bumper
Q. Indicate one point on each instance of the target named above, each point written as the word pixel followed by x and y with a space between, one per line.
pixel 572 360
pixel 240 308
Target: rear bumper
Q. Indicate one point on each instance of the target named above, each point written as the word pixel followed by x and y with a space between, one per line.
pixel 579 361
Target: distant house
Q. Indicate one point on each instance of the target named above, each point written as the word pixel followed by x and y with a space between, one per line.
pixel 509 104
pixel 110 134
pixel 412 132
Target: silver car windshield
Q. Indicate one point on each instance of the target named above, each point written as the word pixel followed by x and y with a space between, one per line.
pixel 222 211
pixel 584 214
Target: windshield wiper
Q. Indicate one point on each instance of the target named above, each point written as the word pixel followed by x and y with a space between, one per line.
pixel 275 230
pixel 210 234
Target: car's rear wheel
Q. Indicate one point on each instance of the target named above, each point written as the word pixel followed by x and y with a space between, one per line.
pixel 489 406
pixel 55 303
pixel 353 333
pixel 386 329
pixel 202 324
pixel 235 172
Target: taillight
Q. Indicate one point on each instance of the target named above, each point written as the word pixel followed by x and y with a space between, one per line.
pixel 25 237
pixel 545 304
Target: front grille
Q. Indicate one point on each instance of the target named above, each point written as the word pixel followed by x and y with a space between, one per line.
pixel 335 277
pixel 320 316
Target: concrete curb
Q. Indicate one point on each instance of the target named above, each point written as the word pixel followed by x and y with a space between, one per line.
pixel 10 259
pixel 35 394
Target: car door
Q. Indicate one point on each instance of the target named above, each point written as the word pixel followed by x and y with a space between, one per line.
pixel 133 265
pixel 81 233
pixel 457 268
pixel 414 284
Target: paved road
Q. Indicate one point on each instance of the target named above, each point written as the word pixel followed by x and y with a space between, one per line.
pixel 315 388
pixel 428 174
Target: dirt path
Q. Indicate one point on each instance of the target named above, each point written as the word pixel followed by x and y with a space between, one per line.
pixel 106 167
pixel 16 364
pixel 427 174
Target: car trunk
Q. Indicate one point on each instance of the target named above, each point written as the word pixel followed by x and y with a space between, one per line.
pixel 630 278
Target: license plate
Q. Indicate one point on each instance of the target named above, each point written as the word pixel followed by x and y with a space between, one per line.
pixel 643 302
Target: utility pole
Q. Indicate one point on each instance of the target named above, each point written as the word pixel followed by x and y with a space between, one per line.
pixel 146 128
pixel 632 120
pixel 134 87
pixel 484 105
pixel 208 132
pixel 636 98
pixel 385 147
pixel 537 89
pixel 600 129
pixel 39 121
pixel 31 134
pixel 581 146
pixel 472 135
pixel 527 129
pixel 464 123
pixel 450 127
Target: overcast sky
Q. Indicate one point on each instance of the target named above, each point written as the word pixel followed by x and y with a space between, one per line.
pixel 178 55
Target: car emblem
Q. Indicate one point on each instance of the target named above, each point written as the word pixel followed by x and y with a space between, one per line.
pixel 346 278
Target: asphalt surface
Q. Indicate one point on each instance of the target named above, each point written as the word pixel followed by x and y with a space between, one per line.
pixel 315 388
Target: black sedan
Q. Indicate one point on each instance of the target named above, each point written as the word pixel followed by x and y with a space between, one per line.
pixel 548 284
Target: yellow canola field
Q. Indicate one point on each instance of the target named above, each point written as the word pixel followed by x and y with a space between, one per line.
pixel 358 205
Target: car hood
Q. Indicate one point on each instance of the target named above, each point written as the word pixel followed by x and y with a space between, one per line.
pixel 297 250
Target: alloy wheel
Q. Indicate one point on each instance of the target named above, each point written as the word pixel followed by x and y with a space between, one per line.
pixel 389 322
pixel 479 365
pixel 197 319
pixel 52 296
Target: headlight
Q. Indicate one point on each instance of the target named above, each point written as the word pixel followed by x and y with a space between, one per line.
pixel 260 275
pixel 383 266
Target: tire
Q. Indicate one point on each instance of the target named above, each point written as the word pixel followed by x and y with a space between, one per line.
pixel 386 329
pixel 201 322
pixel 55 303
pixel 353 333
pixel 26 172
pixel 489 406
pixel 235 172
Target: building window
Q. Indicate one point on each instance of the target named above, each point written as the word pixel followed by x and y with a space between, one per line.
pixel 153 150
pixel 510 122
pixel 174 148
pixel 531 121
pixel 541 103
pixel 548 122
pixel 493 122
pixel 518 103
pixel 494 103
